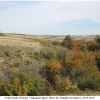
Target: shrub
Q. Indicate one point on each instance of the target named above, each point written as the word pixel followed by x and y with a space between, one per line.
pixel 19 86
pixel 92 46
pixel 46 53
pixel 2 34
pixel 56 43
pixel 51 70
pixel 19 56
pixel 97 38
pixel 2 92
pixel 83 47
pixel 7 53
pixel 28 62
pixel 68 37
pixel 98 59
pixel 67 42
pixel 61 53
pixel 31 54
pixel 70 44
pixel 82 70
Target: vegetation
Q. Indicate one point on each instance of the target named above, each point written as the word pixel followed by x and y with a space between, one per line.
pixel 2 34
pixel 97 38
pixel 67 68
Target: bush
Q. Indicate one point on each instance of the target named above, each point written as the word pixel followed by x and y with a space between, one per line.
pixel 97 38
pixel 7 53
pixel 70 44
pixel 19 56
pixel 98 59
pixel 46 53
pixel 28 62
pixel 51 70
pixel 56 43
pixel 67 42
pixel 92 46
pixel 2 34
pixel 31 54
pixel 68 37
pixel 82 70
pixel 83 47
pixel 61 53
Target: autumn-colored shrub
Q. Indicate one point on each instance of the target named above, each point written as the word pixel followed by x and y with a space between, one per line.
pixel 92 46
pixel 82 70
pixel 51 70
pixel 23 85
pixel 70 44
pixel 74 46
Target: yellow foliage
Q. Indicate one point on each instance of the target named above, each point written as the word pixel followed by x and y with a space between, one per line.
pixel 71 87
pixel 54 65
pixel 15 86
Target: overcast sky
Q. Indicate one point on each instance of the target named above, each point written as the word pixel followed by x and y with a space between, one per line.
pixel 50 18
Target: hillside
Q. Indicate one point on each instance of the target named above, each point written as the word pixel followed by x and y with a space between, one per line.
pixel 49 65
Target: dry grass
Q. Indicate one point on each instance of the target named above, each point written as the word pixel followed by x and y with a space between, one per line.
pixel 18 42
pixel 31 41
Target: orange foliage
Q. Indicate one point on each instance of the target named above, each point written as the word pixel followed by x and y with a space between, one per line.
pixel 14 69
pixel 75 47
pixel 78 62
pixel 54 65
pixel 80 59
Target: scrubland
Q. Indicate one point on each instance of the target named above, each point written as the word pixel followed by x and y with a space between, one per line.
pixel 49 65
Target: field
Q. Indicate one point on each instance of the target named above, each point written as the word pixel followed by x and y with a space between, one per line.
pixel 14 39
pixel 49 65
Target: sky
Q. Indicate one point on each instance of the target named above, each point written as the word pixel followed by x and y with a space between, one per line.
pixel 50 17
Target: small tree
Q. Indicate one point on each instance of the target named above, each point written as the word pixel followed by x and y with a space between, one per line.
pixel 97 38
pixel 51 71
pixel 68 37
pixel 67 42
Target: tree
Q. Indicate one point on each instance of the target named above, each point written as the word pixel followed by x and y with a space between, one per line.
pixel 82 69
pixel 97 38
pixel 51 71
pixel 74 46
pixel 92 46
pixel 67 42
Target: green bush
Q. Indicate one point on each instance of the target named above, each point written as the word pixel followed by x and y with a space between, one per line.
pixel 7 53
pixel 68 37
pixel 31 54
pixel 98 59
pixel 61 53
pixel 19 56
pixel 46 53
pixel 97 38
pixel 28 62
pixel 67 42
pixel 2 34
